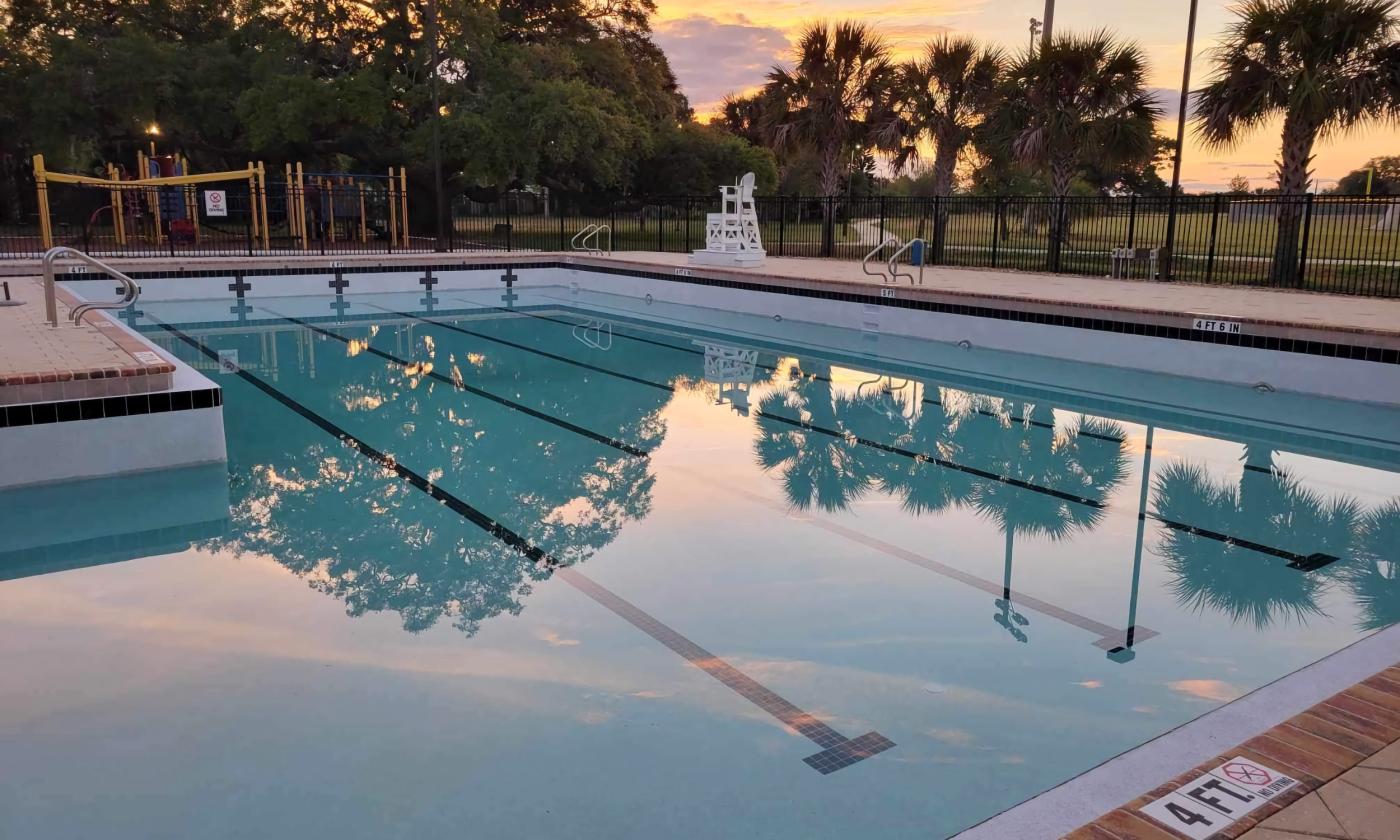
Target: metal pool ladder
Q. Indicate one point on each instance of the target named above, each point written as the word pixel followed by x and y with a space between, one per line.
pixel 587 239
pixel 131 292
pixel 891 272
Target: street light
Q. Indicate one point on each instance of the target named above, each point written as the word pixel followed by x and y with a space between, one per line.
pixel 1035 30
pixel 1165 272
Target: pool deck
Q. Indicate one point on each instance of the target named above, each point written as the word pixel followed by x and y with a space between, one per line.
pixel 1344 752
pixel 40 363
pixel 1286 313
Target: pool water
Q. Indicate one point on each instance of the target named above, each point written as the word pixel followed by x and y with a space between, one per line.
pixel 543 572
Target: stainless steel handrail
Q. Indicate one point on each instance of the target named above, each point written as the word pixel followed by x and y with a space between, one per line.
pixel 874 252
pixel 50 300
pixel 895 273
pixel 590 234
pixel 586 230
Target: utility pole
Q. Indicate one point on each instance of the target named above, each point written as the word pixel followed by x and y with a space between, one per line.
pixel 436 58
pixel 1048 22
pixel 1165 263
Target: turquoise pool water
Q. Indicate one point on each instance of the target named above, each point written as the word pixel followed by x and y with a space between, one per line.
pixel 547 572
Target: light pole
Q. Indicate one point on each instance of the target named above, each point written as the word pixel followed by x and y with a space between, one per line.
pixel 1035 30
pixel 436 58
pixel 1165 269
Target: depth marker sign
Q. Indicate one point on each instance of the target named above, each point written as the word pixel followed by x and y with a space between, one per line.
pixel 1209 803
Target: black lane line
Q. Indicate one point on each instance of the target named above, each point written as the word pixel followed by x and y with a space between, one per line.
pixel 514 406
pixel 771 368
pixel 1108 635
pixel 919 456
pixel 545 353
pixel 1302 562
pixel 837 751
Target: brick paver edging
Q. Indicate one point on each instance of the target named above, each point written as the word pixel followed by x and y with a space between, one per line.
pixel 1313 747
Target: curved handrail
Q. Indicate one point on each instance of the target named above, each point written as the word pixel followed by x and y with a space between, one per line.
pixel 586 230
pixel 590 234
pixel 874 252
pixel 895 273
pixel 50 301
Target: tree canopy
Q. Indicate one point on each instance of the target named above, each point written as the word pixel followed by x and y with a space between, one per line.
pixel 570 94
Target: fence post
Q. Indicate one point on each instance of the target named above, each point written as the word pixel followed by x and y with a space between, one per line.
pixel 1132 220
pixel 660 227
pixel 997 210
pixel 559 211
pixel 1307 234
pixel 782 223
pixel 247 227
pixel 510 228
pixel 687 225
pixel 1057 234
pixel 1214 227
pixel 934 255
pixel 829 227
pixel 882 218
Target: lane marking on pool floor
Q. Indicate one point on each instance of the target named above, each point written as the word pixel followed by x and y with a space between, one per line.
pixel 1301 562
pixel 511 404
pixel 1109 637
pixel 837 751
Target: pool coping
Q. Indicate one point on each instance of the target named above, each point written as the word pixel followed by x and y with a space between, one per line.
pixel 1108 795
pixel 796 276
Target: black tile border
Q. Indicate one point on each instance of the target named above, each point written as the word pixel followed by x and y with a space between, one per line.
pixel 1124 326
pixel 101 408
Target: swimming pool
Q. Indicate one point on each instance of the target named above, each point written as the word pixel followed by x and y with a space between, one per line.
pixel 567 564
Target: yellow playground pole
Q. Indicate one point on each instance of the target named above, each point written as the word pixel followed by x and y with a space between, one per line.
pixel 41 184
pixel 301 206
pixel 290 209
pixel 403 197
pixel 393 210
pixel 253 199
pixel 116 198
pixel 262 201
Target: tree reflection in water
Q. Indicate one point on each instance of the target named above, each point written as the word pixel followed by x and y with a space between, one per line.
pixel 355 531
pixel 1374 576
pixel 1266 506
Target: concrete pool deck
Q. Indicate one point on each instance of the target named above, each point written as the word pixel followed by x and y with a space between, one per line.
pixel 1300 314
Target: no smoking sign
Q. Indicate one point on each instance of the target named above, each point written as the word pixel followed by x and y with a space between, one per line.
pixel 1207 804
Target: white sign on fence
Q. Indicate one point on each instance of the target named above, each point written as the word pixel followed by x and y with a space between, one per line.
pixel 215 203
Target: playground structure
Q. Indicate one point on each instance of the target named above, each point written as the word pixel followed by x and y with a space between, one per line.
pixel 166 204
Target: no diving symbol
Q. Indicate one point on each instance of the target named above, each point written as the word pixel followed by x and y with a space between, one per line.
pixel 1247 774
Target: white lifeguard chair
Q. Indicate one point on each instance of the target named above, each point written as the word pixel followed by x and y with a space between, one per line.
pixel 731 235
pixel 732 369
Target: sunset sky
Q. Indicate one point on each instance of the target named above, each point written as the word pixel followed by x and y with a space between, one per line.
pixel 719 46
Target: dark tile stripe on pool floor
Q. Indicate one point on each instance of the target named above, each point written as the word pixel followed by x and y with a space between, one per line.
pixel 511 404
pixel 837 752
pixel 1109 636
pixel 1296 560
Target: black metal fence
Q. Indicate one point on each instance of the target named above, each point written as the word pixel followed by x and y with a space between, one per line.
pixel 1338 244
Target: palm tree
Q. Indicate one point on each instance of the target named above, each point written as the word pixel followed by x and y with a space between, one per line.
pixel 943 97
pixel 923 485
pixel 1324 66
pixel 1081 98
pixel 839 84
pixel 1078 99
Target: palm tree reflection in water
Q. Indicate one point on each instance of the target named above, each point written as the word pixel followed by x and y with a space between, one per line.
pixel 819 457
pixel 1267 506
